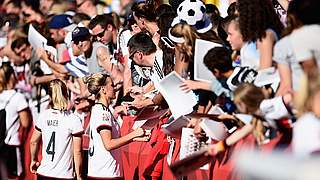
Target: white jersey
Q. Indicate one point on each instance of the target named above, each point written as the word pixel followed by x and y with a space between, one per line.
pixel 103 163
pixel 16 104
pixel 57 128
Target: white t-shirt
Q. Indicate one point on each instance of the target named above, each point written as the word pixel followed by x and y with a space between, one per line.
pixel 306 43
pixel 283 54
pixel 123 41
pixel 306 135
pixel 250 56
pixel 16 104
pixel 103 163
pixel 57 128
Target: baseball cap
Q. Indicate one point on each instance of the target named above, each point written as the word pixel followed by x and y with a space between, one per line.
pixel 61 21
pixel 80 33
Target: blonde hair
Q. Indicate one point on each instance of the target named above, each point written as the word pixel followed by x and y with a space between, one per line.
pixel 5 73
pixel 188 33
pixel 250 95
pixel 309 86
pixel 58 93
pixel 95 83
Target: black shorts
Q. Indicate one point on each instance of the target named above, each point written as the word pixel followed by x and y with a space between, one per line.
pixel 12 160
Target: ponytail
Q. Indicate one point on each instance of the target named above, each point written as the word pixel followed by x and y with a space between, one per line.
pixel 58 93
pixel 95 83
pixel 6 71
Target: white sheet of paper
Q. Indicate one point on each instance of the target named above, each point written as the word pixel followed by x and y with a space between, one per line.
pixel 175 125
pixel 216 110
pixel 201 72
pixel 52 51
pixel 35 38
pixel 245 118
pixel 138 124
pixel 267 76
pixel 215 130
pixel 190 145
pixel 180 102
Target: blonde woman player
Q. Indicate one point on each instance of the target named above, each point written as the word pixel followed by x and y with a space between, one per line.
pixel 105 141
pixel 17 116
pixel 60 131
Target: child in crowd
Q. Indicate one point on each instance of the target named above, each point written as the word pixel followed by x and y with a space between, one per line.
pixel 264 112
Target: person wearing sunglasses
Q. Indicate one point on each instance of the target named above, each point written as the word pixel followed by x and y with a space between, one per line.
pixel 104 30
pixel 143 52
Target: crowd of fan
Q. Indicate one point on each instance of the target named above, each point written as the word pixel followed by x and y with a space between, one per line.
pixel 116 52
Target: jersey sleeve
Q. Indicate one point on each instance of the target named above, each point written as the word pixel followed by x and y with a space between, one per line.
pixel 23 104
pixel 37 122
pixel 104 120
pixel 76 126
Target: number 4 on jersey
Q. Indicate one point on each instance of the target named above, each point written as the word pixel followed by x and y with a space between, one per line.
pixel 51 145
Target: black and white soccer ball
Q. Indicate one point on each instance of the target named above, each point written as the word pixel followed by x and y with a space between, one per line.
pixel 191 11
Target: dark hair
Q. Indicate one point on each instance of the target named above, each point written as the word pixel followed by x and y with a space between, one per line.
pixel 164 23
pixel 6 71
pixel 35 6
pixel 307 11
pixel 293 22
pixel 164 8
pixel 144 10
pixel 256 16
pixel 17 43
pixel 232 9
pixel 78 17
pixel 218 58
pixel 210 36
pixel 213 12
pixel 142 42
pixel 15 3
pixel 175 4
pixel 103 20
pixel 12 19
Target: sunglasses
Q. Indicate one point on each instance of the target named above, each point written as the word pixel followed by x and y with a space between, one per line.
pixel 132 54
pixel 26 14
pixel 101 34
pixel 80 4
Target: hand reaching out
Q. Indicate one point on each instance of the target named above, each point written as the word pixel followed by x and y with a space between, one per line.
pixel 189 85
pixel 121 109
pixel 217 148
pixel 141 134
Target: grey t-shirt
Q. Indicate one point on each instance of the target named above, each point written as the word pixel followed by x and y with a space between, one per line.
pixel 283 53
pixel 92 61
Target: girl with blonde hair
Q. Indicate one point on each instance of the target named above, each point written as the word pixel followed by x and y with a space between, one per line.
pixel 105 141
pixel 252 100
pixel 61 133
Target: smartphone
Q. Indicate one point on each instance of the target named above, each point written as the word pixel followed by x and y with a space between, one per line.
pixel 230 126
pixel 167 42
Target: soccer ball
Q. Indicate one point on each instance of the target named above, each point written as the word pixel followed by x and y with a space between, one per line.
pixel 191 11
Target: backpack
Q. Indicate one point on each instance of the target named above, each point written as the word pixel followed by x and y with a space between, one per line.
pixel 3 126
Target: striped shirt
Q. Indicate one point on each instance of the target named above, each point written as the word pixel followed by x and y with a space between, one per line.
pixel 77 67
